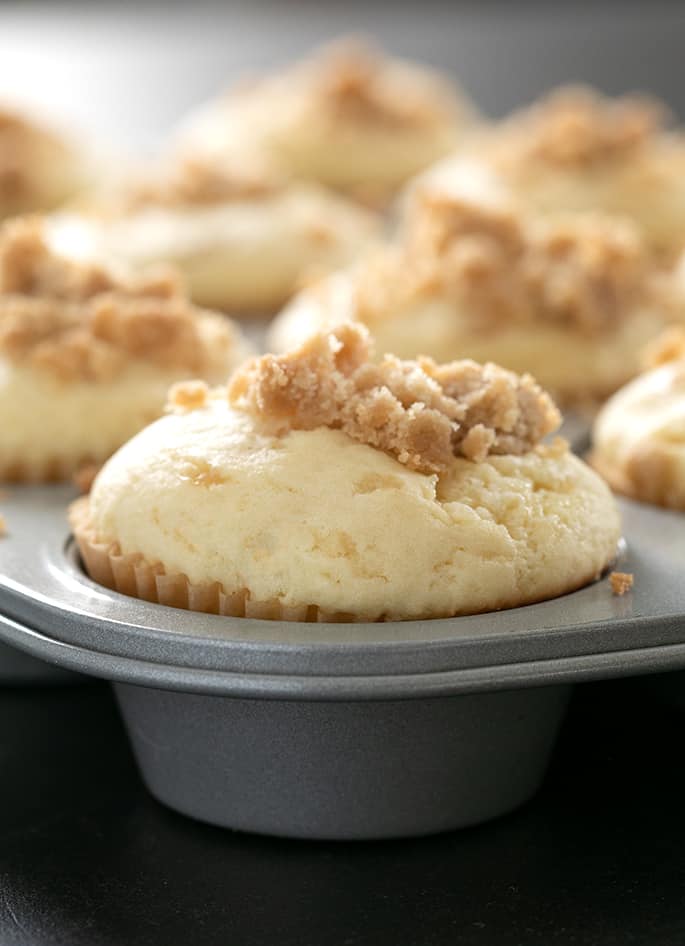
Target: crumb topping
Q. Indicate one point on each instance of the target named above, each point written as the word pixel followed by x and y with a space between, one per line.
pixel 81 322
pixel 576 127
pixel 3 526
pixel 188 395
pixel 194 182
pixel 356 83
pixel 584 271
pixel 621 582
pixel 669 346
pixel 421 413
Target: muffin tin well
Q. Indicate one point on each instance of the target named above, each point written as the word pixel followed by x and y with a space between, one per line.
pixel 340 730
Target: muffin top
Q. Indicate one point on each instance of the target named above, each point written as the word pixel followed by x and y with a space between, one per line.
pixel 576 128
pixel 351 82
pixel 321 485
pixel 80 321
pixel 500 267
pixel 639 435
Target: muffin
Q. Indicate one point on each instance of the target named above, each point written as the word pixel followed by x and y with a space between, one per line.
pixel 321 485
pixel 639 435
pixel 579 151
pixel 244 237
pixel 39 168
pixel 572 299
pixel 346 116
pixel 87 354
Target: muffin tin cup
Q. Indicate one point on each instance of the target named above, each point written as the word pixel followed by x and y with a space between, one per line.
pixel 343 731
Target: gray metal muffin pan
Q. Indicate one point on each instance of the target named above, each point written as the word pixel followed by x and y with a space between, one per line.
pixel 341 730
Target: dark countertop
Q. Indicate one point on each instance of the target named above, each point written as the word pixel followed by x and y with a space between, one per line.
pixel 87 858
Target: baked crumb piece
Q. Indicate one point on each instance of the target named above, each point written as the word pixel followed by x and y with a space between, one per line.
pixel 79 321
pixel 421 413
pixel 355 82
pixel 3 526
pixel 669 346
pixel 621 582
pixel 188 395
pixel 198 183
pixel 586 271
pixel 576 127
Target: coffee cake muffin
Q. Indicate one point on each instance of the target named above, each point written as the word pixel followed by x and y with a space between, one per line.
pixel 576 150
pixel 322 485
pixel 346 116
pixel 572 299
pixel 87 354
pixel 639 435
pixel 244 237
pixel 39 167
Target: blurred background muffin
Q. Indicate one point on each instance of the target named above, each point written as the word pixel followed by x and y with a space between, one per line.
pixel 243 234
pixel 40 167
pixel 346 116
pixel 87 354
pixel 570 298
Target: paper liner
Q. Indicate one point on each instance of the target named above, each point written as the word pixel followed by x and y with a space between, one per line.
pixel 131 574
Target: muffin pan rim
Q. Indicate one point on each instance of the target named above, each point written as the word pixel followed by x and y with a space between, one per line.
pixel 482 650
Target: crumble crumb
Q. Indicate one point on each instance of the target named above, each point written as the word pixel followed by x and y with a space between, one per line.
pixel 78 321
pixel 585 271
pixel 421 413
pixel 621 582
pixel 576 127
pixel 3 526
pixel 195 182
pixel 188 395
pixel 669 346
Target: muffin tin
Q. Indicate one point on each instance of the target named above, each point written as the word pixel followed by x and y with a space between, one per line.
pixel 339 730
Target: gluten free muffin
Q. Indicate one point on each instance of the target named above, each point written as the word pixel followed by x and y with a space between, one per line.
pixel 576 150
pixel 639 435
pixel 321 485
pixel 572 299
pixel 244 236
pixel 346 116
pixel 39 168
pixel 87 354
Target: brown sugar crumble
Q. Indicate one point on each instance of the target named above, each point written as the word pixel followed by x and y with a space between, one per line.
pixel 586 271
pixel 194 182
pixel 576 127
pixel 79 321
pixel 621 582
pixel 421 413
pixel 356 83
pixel 188 395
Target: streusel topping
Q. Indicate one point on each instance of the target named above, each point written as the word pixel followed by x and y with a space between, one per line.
pixel 421 413
pixel 194 182
pixel 576 127
pixel 78 321
pixel 356 83
pixel 584 271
